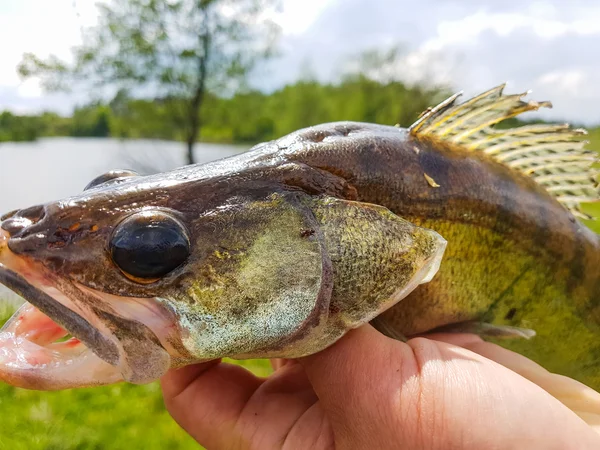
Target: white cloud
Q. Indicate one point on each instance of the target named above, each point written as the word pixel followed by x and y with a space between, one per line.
pixel 30 89
pixel 468 31
pixel 296 16
pixel 567 81
pixel 469 28
pixel 540 47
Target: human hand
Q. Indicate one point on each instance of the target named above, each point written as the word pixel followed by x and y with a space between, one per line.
pixel 368 391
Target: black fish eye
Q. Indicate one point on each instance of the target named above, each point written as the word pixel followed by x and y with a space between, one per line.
pixel 112 175
pixel 148 245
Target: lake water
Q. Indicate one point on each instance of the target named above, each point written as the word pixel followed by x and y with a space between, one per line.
pixel 53 168
pixel 49 169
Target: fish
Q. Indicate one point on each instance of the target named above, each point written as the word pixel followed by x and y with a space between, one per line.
pixel 453 224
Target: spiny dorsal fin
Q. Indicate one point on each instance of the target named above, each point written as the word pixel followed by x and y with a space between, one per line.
pixel 553 155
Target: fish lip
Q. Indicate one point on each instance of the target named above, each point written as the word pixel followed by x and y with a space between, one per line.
pixel 74 323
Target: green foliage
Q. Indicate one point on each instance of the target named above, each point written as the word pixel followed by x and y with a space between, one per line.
pixel 54 125
pixel 161 44
pixel 29 128
pixel 254 117
pixel 594 139
pixel 18 128
pixel 116 417
pixel 53 71
pixel 593 209
pixel 251 116
pixel 121 416
pixel 134 118
pixel 92 120
pixel 247 117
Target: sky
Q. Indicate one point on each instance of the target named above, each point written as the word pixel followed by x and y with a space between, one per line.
pixel 549 47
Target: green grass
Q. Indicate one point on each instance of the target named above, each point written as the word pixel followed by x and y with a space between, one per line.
pixel 121 416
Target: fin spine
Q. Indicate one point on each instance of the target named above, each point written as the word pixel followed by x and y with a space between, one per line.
pixel 554 155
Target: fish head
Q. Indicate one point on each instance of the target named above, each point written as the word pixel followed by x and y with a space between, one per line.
pixel 151 273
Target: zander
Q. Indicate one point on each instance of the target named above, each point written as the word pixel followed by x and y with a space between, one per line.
pixel 452 224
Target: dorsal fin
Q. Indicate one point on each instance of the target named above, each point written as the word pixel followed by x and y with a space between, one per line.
pixel 553 155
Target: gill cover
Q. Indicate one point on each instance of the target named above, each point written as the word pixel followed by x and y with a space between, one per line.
pixel 289 274
pixel 263 279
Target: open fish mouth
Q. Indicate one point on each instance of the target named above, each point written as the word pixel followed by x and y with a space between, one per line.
pixel 57 341
pixel 37 353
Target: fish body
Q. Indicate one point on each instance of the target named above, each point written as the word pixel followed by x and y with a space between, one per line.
pixel 514 257
pixel 279 251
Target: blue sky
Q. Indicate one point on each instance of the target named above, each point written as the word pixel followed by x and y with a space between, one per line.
pixel 550 47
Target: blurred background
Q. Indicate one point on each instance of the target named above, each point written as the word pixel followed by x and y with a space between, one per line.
pixel 89 86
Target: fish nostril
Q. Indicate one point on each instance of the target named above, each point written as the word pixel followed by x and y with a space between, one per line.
pixel 34 214
pixel 15 225
pixel 8 215
pixel 16 221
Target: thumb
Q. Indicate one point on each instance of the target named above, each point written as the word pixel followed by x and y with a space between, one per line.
pixel 353 379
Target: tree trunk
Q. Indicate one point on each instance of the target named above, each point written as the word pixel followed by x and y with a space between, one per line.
pixel 190 151
pixel 195 120
pixel 194 124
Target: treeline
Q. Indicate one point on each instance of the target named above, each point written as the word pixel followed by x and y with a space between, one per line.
pixel 248 117
pixel 29 128
pixel 244 118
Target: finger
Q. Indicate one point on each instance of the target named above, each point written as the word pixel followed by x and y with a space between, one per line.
pixel 353 380
pixel 278 411
pixel 207 400
pixel 459 339
pixel 278 363
pixel 348 362
pixel 581 399
pixel 178 380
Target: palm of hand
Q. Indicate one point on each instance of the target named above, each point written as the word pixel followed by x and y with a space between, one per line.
pixel 368 391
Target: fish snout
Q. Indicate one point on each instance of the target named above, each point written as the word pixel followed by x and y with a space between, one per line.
pixel 17 222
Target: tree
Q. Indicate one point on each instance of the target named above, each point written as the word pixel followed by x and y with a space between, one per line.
pixel 174 51
pixel 92 120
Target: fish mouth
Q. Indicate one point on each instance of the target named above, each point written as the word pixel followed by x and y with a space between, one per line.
pixel 68 336
pixel 34 353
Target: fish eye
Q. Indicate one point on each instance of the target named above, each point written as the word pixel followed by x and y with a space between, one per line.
pixel 113 175
pixel 148 245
